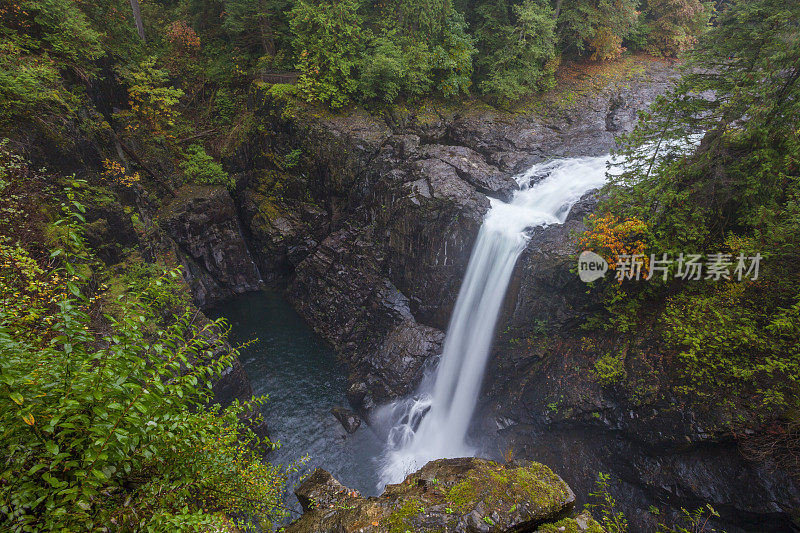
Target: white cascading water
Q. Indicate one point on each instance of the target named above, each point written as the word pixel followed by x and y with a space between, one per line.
pixel 434 423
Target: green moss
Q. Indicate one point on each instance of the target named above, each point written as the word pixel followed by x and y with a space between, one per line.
pixel 501 488
pixel 400 519
pixel 537 481
pixel 570 525
pixel 461 495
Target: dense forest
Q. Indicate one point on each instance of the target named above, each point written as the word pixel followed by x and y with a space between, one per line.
pixel 106 366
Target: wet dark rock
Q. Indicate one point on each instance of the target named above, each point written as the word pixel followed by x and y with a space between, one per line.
pixel 341 290
pixel 349 420
pixel 321 490
pixel 544 291
pixel 282 231
pixel 617 118
pixel 472 168
pixel 109 231
pixel 203 222
pixel 449 495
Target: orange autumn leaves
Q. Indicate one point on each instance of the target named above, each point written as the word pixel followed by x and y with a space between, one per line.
pixel 611 236
pixel 114 172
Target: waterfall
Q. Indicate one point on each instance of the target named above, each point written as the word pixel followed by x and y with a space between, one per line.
pixel 433 424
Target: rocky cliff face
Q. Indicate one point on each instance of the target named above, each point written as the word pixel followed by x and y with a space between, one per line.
pixel 203 224
pixel 448 495
pixel 370 234
pixel 372 231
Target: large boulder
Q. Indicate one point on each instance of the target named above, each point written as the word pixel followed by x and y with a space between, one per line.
pixel 446 495
pixel 347 418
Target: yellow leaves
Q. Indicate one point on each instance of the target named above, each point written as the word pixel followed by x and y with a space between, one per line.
pixel 28 418
pixel 611 237
pixel 115 172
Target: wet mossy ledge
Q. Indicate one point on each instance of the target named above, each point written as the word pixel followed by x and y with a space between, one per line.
pixel 447 495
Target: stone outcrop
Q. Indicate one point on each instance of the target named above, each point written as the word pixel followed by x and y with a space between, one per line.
pixel 447 495
pixel 341 290
pixel 203 222
pixel 371 234
pixel 347 418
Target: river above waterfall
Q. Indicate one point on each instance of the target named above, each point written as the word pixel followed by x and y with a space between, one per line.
pixel 304 381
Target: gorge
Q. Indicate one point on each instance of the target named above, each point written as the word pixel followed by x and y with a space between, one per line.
pixel 365 268
pixel 313 266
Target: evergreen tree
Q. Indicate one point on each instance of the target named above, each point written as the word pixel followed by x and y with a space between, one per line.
pixel 597 27
pixel 735 192
pixel 256 23
pixel 515 44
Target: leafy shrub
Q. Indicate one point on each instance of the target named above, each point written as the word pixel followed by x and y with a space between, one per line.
pixel 382 71
pixel 114 429
pixel 153 102
pixel 612 519
pixel 29 86
pixel 610 369
pixel 199 167
pixel 609 236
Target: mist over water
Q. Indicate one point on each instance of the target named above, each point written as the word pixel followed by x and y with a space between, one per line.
pixel 433 424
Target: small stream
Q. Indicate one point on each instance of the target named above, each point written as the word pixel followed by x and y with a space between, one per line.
pixel 303 379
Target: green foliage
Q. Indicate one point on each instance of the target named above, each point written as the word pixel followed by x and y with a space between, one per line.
pixel 110 427
pixel 452 57
pixel 515 50
pixel 153 102
pixel 736 192
pixel 383 71
pixel 62 30
pixel 610 369
pixel 165 295
pixel 723 344
pixel 595 26
pixel 329 39
pixel 37 39
pixel 605 506
pixel 29 85
pixel 256 25
pixel 673 25
pixel 347 53
pixel 199 167
pixel 693 522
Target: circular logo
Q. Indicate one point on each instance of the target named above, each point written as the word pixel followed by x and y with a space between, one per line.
pixel 591 266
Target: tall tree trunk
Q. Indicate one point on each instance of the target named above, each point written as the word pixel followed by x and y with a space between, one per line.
pixel 137 16
pixel 558 8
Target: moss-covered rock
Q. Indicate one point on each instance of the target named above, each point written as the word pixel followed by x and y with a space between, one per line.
pixel 458 495
pixel 583 523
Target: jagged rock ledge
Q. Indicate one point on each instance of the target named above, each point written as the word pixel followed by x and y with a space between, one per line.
pixel 447 495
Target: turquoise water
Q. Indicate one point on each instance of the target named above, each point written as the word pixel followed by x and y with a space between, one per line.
pixel 304 380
